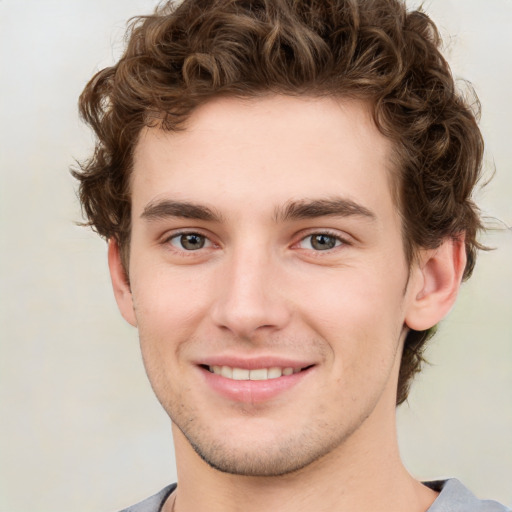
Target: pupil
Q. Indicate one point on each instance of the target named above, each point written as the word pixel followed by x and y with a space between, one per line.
pixel 323 242
pixel 192 242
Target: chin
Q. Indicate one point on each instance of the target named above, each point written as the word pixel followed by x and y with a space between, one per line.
pixel 263 457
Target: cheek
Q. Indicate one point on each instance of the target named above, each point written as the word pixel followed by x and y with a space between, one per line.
pixel 359 299
pixel 168 300
pixel 360 315
pixel 166 309
pixel 169 308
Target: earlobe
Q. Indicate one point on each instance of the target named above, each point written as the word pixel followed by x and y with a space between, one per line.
pixel 120 284
pixel 435 282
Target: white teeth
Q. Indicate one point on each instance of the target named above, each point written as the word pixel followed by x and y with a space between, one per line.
pixel 240 374
pixel 227 371
pixel 259 374
pixel 273 372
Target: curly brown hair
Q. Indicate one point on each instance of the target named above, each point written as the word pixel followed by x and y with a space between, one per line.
pixel 375 50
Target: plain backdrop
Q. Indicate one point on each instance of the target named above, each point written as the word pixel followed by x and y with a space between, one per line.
pixel 80 428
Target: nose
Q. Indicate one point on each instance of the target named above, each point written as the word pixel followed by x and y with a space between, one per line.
pixel 249 298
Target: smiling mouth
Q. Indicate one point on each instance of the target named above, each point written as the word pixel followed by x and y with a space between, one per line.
pixel 273 372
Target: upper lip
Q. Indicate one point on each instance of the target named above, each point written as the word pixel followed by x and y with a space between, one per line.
pixel 252 363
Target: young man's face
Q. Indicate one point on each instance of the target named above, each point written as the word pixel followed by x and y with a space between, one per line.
pixel 265 241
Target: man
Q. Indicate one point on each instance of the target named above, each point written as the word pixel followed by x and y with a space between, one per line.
pixel 286 190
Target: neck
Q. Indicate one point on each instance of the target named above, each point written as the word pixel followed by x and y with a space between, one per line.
pixel 364 473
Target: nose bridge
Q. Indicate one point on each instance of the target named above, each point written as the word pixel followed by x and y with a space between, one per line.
pixel 248 297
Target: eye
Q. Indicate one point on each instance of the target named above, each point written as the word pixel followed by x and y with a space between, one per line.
pixel 189 241
pixel 320 242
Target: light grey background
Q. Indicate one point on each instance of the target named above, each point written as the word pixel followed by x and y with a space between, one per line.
pixel 80 429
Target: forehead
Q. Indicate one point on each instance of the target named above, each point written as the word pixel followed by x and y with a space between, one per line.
pixel 268 150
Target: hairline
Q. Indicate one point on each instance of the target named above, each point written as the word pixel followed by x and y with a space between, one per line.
pixel 394 166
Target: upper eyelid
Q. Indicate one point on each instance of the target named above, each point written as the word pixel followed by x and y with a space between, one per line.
pixel 168 235
pixel 343 237
pixel 186 253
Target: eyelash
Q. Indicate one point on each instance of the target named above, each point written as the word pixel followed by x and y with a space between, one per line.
pixel 187 252
pixel 339 241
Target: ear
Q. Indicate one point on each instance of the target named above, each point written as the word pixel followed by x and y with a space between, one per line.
pixel 435 281
pixel 122 291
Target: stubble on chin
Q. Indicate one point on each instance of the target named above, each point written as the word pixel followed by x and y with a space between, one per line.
pixel 284 456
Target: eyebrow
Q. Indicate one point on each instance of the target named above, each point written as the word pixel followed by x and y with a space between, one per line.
pixel 158 210
pixel 312 208
pixel 292 210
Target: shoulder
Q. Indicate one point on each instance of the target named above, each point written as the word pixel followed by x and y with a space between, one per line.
pixel 153 503
pixel 455 497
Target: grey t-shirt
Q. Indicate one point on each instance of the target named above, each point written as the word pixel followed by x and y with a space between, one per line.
pixel 453 497
pixel 154 503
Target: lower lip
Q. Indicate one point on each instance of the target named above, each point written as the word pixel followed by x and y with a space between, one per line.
pixel 253 391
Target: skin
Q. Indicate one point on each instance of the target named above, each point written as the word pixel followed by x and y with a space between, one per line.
pixel 254 284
